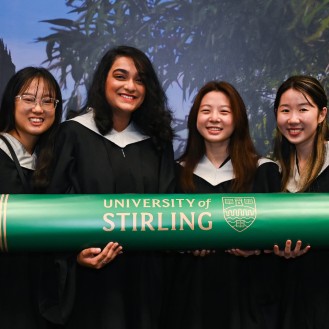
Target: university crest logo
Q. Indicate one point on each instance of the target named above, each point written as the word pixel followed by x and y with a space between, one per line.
pixel 239 212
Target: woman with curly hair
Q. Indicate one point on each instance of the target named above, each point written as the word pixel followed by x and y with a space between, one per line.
pixel 122 144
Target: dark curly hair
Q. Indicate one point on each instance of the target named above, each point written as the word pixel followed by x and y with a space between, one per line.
pixel 153 117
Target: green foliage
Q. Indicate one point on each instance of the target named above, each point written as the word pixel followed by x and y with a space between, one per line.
pixel 254 44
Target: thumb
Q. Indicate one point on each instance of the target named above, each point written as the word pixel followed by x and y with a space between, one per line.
pixel 90 252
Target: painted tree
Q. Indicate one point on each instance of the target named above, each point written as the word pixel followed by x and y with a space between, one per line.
pixel 7 68
pixel 253 44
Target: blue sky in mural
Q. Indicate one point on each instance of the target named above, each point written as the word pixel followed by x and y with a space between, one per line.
pixel 20 25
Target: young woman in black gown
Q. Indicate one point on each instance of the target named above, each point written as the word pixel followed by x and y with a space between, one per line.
pixel 221 290
pixel 301 149
pixel 30 113
pixel 123 144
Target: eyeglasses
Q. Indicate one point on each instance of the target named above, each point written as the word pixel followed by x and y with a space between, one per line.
pixel 46 103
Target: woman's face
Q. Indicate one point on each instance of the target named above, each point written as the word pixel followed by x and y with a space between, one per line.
pixel 215 118
pixel 34 112
pixel 298 118
pixel 124 89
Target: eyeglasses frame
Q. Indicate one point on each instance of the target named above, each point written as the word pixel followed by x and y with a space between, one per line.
pixel 37 100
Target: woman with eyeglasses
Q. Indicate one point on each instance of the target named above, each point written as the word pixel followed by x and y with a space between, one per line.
pixel 30 113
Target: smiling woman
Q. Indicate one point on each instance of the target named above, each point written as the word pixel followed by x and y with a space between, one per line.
pixel 30 113
pixel 124 91
pixel 121 145
pixel 215 119
pixel 302 150
pixel 31 110
pixel 220 157
pixel 34 114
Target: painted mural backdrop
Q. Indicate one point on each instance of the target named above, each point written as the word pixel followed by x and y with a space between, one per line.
pixel 253 44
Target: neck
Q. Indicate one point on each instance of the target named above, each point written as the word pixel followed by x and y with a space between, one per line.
pixel 217 153
pixel 121 122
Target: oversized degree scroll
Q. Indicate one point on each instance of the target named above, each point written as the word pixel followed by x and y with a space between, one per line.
pixel 178 221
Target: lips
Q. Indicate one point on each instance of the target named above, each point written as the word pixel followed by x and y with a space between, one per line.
pixel 128 97
pixel 214 128
pixel 294 131
pixel 36 120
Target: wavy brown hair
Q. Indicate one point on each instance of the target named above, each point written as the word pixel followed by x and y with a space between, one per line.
pixel 241 148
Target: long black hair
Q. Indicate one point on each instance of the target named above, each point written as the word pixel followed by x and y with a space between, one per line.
pixel 153 117
pixel 18 83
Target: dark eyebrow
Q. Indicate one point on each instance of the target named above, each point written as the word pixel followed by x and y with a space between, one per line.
pixel 120 70
pixel 300 104
pixel 123 71
pixel 221 106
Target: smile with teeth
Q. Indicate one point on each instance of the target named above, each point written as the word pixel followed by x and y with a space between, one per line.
pixel 127 96
pixel 295 130
pixel 36 120
pixel 215 128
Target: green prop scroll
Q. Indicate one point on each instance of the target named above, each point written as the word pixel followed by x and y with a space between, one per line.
pixel 189 221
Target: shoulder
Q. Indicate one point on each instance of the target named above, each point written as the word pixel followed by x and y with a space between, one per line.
pixel 72 129
pixel 267 178
pixel 4 157
pixel 71 125
pixel 321 183
pixel 267 166
pixel 266 162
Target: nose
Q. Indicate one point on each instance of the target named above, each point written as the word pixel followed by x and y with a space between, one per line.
pixel 37 106
pixel 130 85
pixel 214 116
pixel 293 117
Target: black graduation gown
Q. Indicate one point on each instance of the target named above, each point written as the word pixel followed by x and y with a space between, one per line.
pixel 18 271
pixel 10 182
pixel 221 290
pixel 304 299
pixel 127 293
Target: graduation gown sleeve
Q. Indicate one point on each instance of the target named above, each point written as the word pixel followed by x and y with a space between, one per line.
pixel 86 162
pixel 267 178
pixel 18 271
pixel 10 181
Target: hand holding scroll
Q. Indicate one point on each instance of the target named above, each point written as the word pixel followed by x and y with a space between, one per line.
pixel 98 258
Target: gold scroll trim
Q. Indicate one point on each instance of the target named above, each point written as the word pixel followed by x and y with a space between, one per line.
pixel 3 222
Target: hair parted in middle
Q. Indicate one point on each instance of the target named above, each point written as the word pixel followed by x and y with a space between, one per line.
pixel 153 117
pixel 284 151
pixel 241 148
